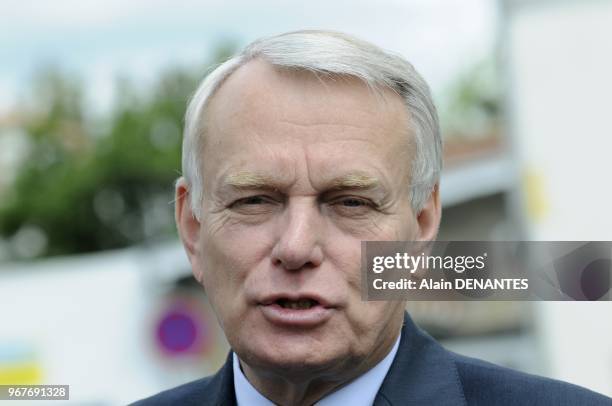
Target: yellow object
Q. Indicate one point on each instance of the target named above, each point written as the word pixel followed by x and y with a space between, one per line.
pixel 20 374
pixel 535 195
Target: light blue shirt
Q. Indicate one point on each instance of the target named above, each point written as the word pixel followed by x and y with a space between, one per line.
pixel 360 392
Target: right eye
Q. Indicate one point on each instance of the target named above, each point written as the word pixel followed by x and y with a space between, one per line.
pixel 256 204
pixel 251 200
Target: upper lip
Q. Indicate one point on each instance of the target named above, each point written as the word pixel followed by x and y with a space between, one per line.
pixel 269 299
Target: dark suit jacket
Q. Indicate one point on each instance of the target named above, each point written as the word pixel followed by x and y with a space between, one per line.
pixel 423 373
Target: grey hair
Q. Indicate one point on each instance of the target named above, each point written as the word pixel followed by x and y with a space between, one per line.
pixel 328 53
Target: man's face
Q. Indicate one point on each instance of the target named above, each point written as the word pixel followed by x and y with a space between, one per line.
pixel 298 170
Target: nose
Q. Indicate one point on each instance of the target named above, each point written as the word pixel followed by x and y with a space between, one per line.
pixel 299 241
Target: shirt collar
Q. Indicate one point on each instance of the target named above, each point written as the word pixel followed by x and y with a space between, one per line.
pixel 361 391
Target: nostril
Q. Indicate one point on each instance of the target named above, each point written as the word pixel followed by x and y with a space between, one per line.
pixel 290 264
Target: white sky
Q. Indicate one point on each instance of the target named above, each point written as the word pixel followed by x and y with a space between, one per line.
pixel 96 40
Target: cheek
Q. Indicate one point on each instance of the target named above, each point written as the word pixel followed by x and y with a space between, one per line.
pixel 401 226
pixel 374 322
pixel 365 322
pixel 228 254
pixel 344 248
pixel 229 244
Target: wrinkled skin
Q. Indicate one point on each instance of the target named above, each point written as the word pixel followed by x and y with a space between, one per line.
pixel 297 171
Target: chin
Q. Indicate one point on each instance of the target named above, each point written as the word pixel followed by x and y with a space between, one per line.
pixel 302 357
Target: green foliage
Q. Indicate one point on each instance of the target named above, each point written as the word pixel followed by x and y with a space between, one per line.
pixel 472 107
pixel 96 183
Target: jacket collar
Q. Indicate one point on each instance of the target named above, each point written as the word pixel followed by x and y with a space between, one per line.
pixel 221 387
pixel 423 373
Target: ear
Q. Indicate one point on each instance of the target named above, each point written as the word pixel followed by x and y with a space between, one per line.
pixel 188 226
pixel 429 216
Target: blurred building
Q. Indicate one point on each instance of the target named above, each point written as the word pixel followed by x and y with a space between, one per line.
pixel 558 63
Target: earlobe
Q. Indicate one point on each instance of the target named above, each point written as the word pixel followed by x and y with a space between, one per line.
pixel 429 216
pixel 187 224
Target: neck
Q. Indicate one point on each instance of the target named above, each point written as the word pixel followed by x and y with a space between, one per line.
pixel 304 389
pixel 285 393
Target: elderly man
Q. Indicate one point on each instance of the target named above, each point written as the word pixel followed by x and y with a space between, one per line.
pixel 295 151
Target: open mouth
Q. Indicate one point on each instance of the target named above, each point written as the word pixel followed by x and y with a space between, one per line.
pixel 297 311
pixel 301 304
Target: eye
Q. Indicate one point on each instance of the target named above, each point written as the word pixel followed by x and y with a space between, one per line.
pixel 353 202
pixel 255 204
pixel 251 200
pixel 352 206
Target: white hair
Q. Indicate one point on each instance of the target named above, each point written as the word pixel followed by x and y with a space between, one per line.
pixel 328 53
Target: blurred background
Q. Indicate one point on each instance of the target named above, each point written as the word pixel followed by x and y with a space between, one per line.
pixel 95 290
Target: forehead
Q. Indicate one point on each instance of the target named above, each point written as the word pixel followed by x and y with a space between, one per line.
pixel 262 116
pixel 257 92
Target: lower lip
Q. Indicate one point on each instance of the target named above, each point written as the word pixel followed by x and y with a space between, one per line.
pixel 304 318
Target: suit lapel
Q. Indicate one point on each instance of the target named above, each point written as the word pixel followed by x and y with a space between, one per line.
pixel 423 373
pixel 220 390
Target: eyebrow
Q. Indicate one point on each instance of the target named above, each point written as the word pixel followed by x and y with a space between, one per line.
pixel 250 180
pixel 355 181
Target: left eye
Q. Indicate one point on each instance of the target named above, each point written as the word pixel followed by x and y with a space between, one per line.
pixel 252 200
pixel 353 202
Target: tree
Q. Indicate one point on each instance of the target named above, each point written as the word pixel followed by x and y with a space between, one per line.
pixel 96 183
